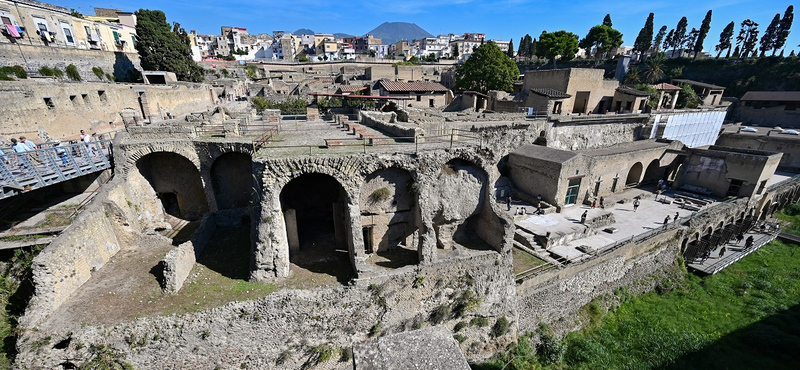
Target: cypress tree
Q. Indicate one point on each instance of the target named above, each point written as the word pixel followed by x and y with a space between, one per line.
pixel 642 43
pixel 668 40
pixel 725 39
pixel 659 38
pixel 607 21
pixel 701 38
pixel 784 29
pixel 679 37
pixel 770 36
pixel 510 51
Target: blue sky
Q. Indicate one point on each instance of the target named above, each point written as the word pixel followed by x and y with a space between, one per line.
pixel 502 19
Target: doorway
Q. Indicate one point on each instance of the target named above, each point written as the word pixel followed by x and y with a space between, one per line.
pixel 572 191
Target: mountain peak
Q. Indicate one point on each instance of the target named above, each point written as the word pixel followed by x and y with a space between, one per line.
pixel 391 32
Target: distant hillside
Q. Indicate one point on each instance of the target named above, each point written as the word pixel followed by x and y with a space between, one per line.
pixel 339 35
pixel 391 32
pixel 304 31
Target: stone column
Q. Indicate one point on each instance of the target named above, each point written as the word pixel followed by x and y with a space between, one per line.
pixel 660 100
pixel 674 99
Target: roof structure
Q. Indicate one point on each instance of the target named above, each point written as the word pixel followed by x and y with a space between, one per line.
pixel 396 86
pixel 788 96
pixel 351 88
pixel 550 93
pixel 630 91
pixel 665 86
pixel 700 84
pixel 349 96
pixel 544 153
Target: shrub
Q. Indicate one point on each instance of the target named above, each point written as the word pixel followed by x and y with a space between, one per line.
pixel 459 326
pixel 792 209
pixel 374 330
pixel 479 322
pixel 46 71
pixel 500 327
pixel 346 355
pixel 72 73
pixel 110 77
pixel 460 338
pixel 57 72
pixel 283 357
pixel 467 301
pixel 380 195
pixel 550 349
pixel 439 314
pixel 98 72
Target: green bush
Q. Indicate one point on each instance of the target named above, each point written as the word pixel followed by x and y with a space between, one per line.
pixel 58 72
pixel 290 106
pixel 72 73
pixel 550 349
pixel 792 209
pixel 380 195
pixel 17 71
pixel 500 327
pixel 46 71
pixel 479 322
pixel 439 314
pixel 459 326
pixel 98 72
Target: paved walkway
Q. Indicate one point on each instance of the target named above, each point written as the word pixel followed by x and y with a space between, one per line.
pixel 570 233
pixel 734 252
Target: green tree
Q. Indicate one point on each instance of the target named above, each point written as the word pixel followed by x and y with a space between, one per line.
pixel 454 51
pixel 725 39
pixel 770 35
pixel 632 77
pixel 654 67
pixel 679 37
pixel 748 37
pixel 607 21
pixel 487 69
pixel 668 40
pixel 520 48
pixel 510 51
pixel 784 29
pixel 603 38
pixel 553 45
pixel 643 40
pixel 692 38
pixel 687 98
pixel 162 49
pixel 701 37
pixel 659 38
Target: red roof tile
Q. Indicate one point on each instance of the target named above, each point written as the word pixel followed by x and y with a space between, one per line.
pixel 413 86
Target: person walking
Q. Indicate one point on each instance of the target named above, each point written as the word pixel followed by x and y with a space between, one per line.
pixel 635 204
pixel 594 203
pixel 87 140
pixel 508 202
pixel 583 217
pixel 749 242
pixel 666 220
pixel 722 251
pixel 677 215
pixel 739 238
pixel 23 160
pixel 602 201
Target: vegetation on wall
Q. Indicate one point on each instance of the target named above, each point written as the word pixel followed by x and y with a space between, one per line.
pixel 289 106
pixel 16 71
pixel 72 73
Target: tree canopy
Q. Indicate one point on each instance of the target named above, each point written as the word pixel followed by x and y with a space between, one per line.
pixel 770 35
pixel 747 39
pixel 701 37
pixel 164 49
pixel 659 38
pixel 643 40
pixel 725 39
pixel 607 21
pixel 784 29
pixel 604 38
pixel 561 44
pixel 488 68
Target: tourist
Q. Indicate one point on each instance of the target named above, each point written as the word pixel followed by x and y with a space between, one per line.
pixel 739 238
pixel 722 251
pixel 22 156
pixel 602 201
pixel 523 211
pixel 666 220
pixel 61 152
pixel 635 204
pixel 87 140
pixel 32 154
pixel 749 242
pixel 583 217
pixel 677 215
pixel 594 203
pixel 508 202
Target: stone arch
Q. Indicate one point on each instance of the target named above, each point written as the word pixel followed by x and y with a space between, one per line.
pixel 176 181
pixel 390 217
pixel 232 180
pixel 136 152
pixel 317 224
pixel 634 174
pixel 456 212
pixel 653 172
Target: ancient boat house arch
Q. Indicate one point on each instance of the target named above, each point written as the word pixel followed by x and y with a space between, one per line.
pixel 176 181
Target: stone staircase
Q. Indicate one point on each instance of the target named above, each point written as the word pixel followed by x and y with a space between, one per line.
pixel 527 242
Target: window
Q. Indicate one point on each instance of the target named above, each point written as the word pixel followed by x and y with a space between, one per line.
pixel 73 99
pixel 49 103
pixel 133 38
pixel 7 20
pixel 431 103
pixel 572 191
pixel 85 98
pixel 102 95
pixel 419 97
pixel 733 189
pixel 68 36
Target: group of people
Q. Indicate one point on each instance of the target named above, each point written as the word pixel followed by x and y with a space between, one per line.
pixel 26 152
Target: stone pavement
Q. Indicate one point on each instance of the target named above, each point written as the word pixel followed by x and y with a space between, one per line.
pixel 734 252
pixel 566 225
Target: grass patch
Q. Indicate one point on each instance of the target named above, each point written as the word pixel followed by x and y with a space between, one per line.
pixel 745 317
pixel 524 261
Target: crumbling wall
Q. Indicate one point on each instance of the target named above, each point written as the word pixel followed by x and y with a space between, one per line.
pixel 387 122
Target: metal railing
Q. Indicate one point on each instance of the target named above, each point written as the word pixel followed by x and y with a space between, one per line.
pixel 51 163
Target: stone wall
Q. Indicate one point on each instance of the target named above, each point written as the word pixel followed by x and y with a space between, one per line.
pixel 557 295
pixel 597 132
pixel 789 145
pixel 386 122
pixel 33 57
pixel 63 108
pixel 179 261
